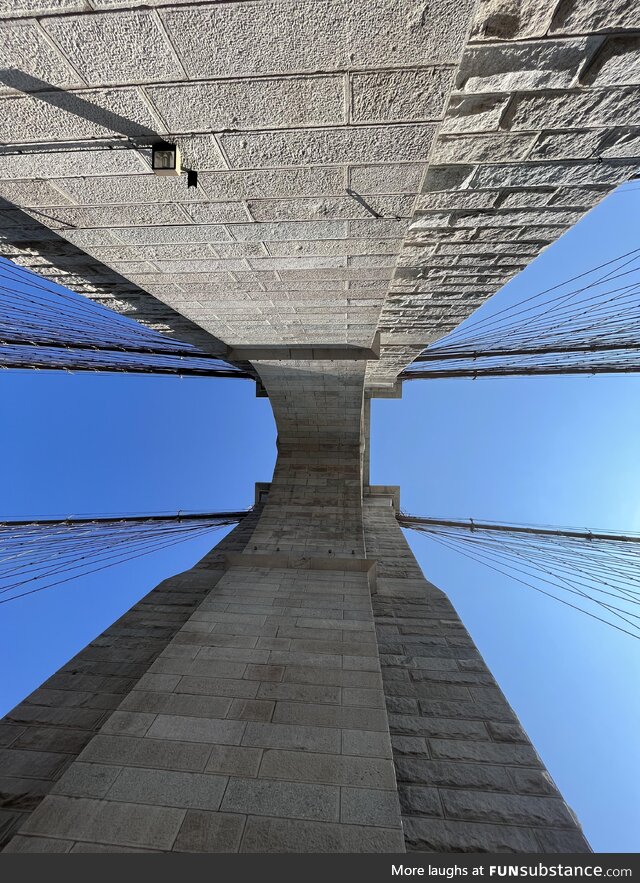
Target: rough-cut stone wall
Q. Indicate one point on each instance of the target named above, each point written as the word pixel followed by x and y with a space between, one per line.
pixel 468 778
pixel 308 122
pixel 541 124
pixel 312 194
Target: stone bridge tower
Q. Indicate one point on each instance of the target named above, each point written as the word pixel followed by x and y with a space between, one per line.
pixel 369 172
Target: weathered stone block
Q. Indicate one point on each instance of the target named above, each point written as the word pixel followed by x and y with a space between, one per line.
pixel 168 788
pixel 511 67
pixel 562 841
pixel 110 49
pixel 197 729
pixel 251 104
pixel 300 693
pixel 400 95
pixel 506 808
pixel 25 50
pixel 366 743
pixel 506 732
pixel 532 781
pixel 512 19
pixel 392 178
pixel 616 63
pixel 474 114
pixel 116 216
pixel 522 755
pixel 63 164
pixel 59 118
pixel 552 174
pixel 175 235
pixel 209 832
pixel 106 822
pixel 319 208
pixel 573 16
pixel 419 801
pixel 125 189
pixel 151 753
pixel 296 766
pixel 285 835
pixel 36 764
pixel 251 710
pixel 445 774
pixel 432 835
pixel 35 7
pixel 128 723
pixel 305 738
pixel 234 761
pixel 285 799
pixel 482 148
pixel 272 183
pixel 37 844
pixel 408 725
pixel 300 147
pixel 222 41
pixel 364 806
pixel 568 110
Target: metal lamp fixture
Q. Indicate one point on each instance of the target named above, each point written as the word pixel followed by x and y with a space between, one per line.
pixel 165 159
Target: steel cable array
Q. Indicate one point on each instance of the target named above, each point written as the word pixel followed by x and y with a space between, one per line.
pixel 40 554
pixel 587 324
pixel 596 573
pixel 43 325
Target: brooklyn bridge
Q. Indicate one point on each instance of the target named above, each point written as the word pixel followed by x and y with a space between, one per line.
pixel 312 194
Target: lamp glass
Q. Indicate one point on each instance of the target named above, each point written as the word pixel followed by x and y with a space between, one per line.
pixel 164 159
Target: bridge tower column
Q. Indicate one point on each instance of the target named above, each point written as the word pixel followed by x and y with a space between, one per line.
pixel 469 779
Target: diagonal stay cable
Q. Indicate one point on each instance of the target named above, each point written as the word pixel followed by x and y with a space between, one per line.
pixel 599 567
pixel 496 569
pixel 38 554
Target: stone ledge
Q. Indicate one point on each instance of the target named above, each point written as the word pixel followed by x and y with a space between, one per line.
pixel 322 352
pixel 301 562
pixel 388 391
pixel 384 494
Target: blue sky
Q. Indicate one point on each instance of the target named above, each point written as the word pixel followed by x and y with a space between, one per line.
pixel 114 443
pixel 553 450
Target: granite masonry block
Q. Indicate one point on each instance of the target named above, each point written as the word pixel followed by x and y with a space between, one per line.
pixel 209 832
pixel 168 788
pixel 417 800
pixel 197 729
pixel 364 806
pixel 331 716
pixel 232 760
pixel 483 806
pixel 304 738
pixel 286 835
pixel 431 835
pixel 284 799
pixel 106 822
pixel 154 753
pixel 87 780
pixel 295 766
